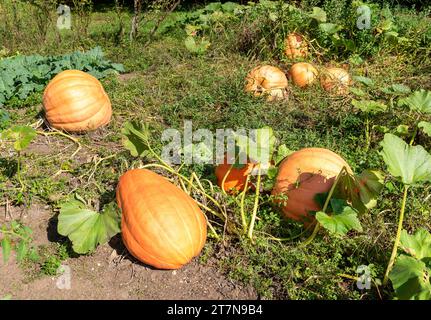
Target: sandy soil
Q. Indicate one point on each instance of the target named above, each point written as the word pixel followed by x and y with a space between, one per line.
pixel 110 272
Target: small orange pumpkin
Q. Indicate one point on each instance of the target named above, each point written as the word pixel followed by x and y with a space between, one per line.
pixel 295 46
pixel 335 80
pixel 303 175
pixel 235 180
pixel 161 225
pixel 75 101
pixel 267 80
pixel 303 74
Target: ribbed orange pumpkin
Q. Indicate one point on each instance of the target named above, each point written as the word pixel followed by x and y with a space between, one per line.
pixel 267 80
pixel 335 80
pixel 301 176
pixel 75 101
pixel 295 46
pixel 235 181
pixel 161 225
pixel 303 74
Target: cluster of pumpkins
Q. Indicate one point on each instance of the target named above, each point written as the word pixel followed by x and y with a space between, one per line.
pixel 162 225
pixel 272 82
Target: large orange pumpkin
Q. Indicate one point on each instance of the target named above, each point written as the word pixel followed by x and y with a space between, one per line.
pixel 267 80
pixel 335 80
pixel 295 46
pixel 75 101
pixel 303 74
pixel 235 180
pixel 161 225
pixel 303 175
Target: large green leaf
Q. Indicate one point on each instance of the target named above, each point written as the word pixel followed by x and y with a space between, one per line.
pixel 318 14
pixel 340 223
pixel 369 106
pixel 136 138
pixel 426 127
pixel 364 80
pixel 412 164
pixel 417 245
pixel 418 101
pixel 21 136
pixel 396 89
pixel 361 190
pixel 330 28
pixel 410 279
pixel 86 228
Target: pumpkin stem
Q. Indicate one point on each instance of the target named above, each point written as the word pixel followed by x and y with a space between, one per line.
pixel 226 175
pixel 223 214
pixel 243 219
pixel 256 203
pixel 397 237
pixel 57 132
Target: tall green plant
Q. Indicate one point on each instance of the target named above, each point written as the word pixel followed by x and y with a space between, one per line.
pixel 411 165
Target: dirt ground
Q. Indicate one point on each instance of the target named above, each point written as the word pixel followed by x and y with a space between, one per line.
pixel 111 273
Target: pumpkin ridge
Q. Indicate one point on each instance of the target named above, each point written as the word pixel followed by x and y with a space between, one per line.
pixel 146 252
pixel 84 118
pixel 73 100
pixel 185 225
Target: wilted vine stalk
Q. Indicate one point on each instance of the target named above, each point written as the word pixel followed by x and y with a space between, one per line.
pixel 397 237
pixel 256 203
pixel 190 181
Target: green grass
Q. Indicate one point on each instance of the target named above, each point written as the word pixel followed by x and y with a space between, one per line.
pixel 170 85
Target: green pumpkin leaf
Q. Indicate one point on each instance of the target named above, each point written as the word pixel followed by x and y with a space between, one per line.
pixel 410 279
pixel 417 245
pixel 396 89
pixel 358 92
pixel 86 228
pixel 412 164
pixel 369 106
pixel 340 223
pixel 371 183
pixel 426 127
pixel 6 249
pixel 318 14
pixel 21 250
pixel 330 28
pixel 382 129
pixel 136 138
pixel 419 101
pixel 282 152
pixel 21 136
pixel 402 130
pixel 364 80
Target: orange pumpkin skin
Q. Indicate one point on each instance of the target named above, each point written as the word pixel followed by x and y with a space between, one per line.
pixel 235 181
pixel 301 176
pixel 295 46
pixel 303 74
pixel 75 101
pixel 335 80
pixel 267 80
pixel 161 225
